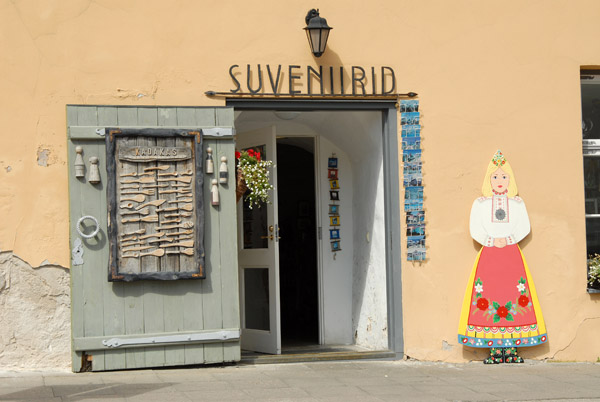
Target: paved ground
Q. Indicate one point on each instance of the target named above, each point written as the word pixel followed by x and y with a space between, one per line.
pixel 363 381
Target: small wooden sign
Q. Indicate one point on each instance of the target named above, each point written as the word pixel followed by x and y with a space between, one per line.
pixel 139 153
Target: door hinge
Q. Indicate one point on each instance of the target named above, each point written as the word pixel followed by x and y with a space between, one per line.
pixel 216 336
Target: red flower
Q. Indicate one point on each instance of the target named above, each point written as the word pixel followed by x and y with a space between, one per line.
pixel 502 311
pixel 483 303
pixel 237 155
pixel 523 301
pixel 250 152
pixel 257 154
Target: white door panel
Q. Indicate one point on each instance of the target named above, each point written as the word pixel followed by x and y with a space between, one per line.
pixel 258 257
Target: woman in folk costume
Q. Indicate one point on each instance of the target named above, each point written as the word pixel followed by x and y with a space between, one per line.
pixel 500 310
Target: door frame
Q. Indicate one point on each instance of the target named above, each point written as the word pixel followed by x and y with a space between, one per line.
pixel 391 180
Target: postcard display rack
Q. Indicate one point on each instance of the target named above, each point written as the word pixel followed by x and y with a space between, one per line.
pixel 334 207
pixel 413 180
pixel 155 204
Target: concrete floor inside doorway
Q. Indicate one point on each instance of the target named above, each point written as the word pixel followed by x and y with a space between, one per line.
pixel 311 353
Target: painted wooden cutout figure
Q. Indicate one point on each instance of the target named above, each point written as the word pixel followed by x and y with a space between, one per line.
pixel 214 193
pixel 223 173
pixel 210 166
pixel 79 165
pixel 94 171
pixel 500 309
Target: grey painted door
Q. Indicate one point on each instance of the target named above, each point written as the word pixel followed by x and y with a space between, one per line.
pixel 119 325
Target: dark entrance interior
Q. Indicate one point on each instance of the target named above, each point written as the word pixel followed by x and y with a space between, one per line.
pixel 298 245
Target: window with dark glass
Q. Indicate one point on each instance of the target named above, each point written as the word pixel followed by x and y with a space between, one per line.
pixel 590 126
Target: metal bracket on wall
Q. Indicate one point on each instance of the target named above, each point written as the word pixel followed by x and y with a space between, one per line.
pixel 77 253
pixel 101 132
pixel 217 132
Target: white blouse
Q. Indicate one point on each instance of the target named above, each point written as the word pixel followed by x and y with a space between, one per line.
pixel 499 217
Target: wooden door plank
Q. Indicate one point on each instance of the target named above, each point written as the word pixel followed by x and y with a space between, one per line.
pixel 228 245
pixel 173 299
pixel 168 117
pixel 87 116
pixel 224 116
pixel 133 292
pixel 192 297
pixel 74 215
pixel 107 116
pixel 153 297
pixel 93 297
pixel 114 309
pixel 76 270
pixel 205 117
pixel 211 303
pixel 186 117
pixel 228 239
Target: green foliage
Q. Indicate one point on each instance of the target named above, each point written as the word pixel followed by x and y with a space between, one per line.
pixel 593 264
pixel 256 175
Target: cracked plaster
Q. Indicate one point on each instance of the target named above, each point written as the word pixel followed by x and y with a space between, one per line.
pixel 35 314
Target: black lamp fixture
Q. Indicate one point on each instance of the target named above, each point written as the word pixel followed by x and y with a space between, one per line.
pixel 317 31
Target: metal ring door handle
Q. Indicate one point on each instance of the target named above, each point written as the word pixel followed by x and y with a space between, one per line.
pixel 80 221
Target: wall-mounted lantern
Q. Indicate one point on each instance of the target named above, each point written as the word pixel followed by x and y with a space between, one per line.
pixel 317 31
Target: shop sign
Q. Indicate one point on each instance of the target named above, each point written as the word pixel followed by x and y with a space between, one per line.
pixel 293 80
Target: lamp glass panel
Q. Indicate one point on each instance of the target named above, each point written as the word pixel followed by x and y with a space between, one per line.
pixel 310 41
pixel 324 36
pixel 315 42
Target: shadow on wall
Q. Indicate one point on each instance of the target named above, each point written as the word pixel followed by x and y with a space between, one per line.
pixel 36 316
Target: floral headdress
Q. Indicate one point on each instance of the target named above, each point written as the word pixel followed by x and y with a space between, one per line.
pixel 498 159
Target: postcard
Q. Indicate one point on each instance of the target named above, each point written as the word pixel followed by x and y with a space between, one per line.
pixel 411 155
pixel 411 143
pixel 413 180
pixel 413 193
pixel 415 217
pixel 412 168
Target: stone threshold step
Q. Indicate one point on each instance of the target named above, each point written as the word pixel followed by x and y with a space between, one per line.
pixel 318 356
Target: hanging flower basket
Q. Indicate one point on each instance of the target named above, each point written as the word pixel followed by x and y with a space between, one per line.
pixel 252 174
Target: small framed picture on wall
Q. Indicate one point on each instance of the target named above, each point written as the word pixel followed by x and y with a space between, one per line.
pixel 334 184
pixel 332 174
pixel 334 195
pixel 334 221
pixel 332 163
pixel 336 246
pixel 334 209
pixel 334 234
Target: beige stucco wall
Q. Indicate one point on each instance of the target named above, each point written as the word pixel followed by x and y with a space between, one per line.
pixel 489 75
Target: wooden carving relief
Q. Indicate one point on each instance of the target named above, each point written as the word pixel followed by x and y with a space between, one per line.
pixel 155 209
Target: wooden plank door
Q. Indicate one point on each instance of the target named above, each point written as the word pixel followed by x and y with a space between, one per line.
pixel 155 323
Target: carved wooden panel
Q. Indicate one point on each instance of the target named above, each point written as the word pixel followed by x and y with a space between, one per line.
pixel 155 204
